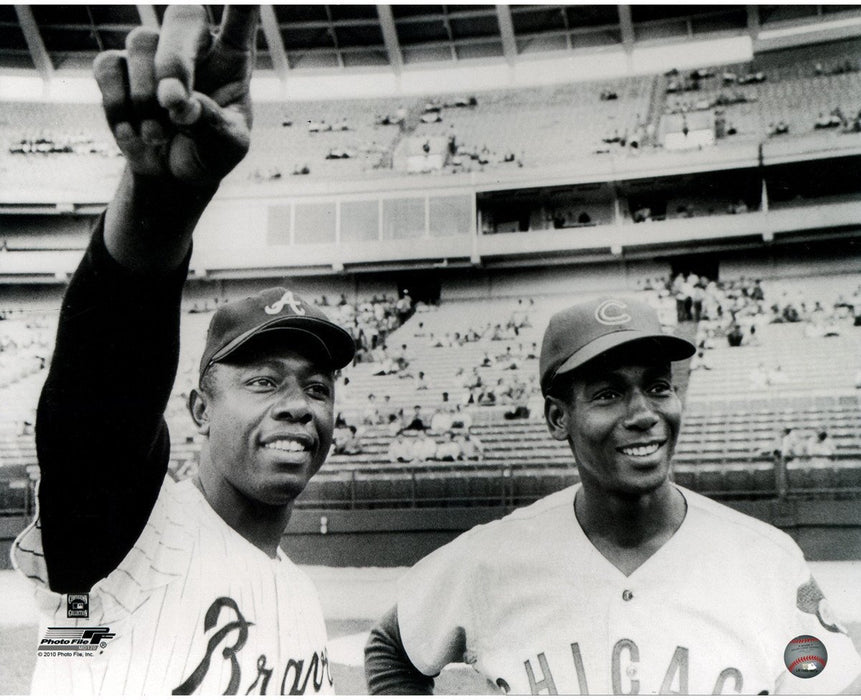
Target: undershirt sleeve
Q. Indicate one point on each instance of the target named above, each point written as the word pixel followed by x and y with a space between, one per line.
pixel 102 442
pixel 388 669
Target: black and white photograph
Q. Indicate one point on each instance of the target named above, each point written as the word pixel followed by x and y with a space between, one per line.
pixel 406 349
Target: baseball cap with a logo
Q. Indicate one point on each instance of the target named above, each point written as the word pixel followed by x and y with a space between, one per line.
pixel 275 309
pixel 582 332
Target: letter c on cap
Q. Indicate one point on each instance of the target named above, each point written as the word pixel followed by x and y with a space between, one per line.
pixel 612 313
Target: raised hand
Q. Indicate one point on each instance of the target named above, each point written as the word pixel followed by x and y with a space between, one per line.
pixel 177 101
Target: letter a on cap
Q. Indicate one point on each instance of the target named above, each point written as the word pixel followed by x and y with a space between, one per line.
pixel 612 313
pixel 286 300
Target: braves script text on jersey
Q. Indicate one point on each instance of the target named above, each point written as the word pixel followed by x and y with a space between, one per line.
pixel 535 608
pixel 195 609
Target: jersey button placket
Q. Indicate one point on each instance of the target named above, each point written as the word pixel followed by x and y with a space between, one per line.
pixel 627 594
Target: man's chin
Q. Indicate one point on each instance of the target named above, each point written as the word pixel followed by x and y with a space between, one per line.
pixel 644 482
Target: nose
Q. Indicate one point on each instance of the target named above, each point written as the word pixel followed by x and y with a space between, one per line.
pixel 291 404
pixel 641 414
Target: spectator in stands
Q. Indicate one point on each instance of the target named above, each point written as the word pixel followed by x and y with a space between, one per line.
pixel 341 421
pixel 474 380
pixel 681 293
pixel 789 445
pixel 699 361
pixel 507 359
pixel 698 295
pixel 471 447
pixel 344 391
pixel 416 420
pixel 738 207
pixel 820 449
pixel 395 423
pixel 387 364
pixel 424 447
pixel 487 397
pixel 778 129
pixel 461 418
pixel 404 306
pixel 421 382
pixel 827 122
pixel 735 336
pixel 441 420
pixel 401 449
pixel 752 77
pixel 449 450
pixel 371 414
pixel 349 445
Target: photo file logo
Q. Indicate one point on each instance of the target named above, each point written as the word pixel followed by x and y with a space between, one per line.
pixel 75 638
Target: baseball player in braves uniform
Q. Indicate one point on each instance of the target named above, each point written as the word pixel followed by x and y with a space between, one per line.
pixel 624 583
pixel 184 585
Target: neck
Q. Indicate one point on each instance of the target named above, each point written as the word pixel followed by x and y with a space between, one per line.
pixel 259 523
pixel 630 520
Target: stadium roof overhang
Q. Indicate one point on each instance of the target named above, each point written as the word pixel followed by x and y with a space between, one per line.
pixel 396 40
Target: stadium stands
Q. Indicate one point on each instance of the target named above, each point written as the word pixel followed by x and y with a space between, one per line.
pixel 490 130
pixel 727 445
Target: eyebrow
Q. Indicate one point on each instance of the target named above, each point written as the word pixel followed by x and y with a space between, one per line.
pixel 605 374
pixel 306 369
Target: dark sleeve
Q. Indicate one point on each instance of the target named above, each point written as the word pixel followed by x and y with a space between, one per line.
pixel 101 439
pixel 388 669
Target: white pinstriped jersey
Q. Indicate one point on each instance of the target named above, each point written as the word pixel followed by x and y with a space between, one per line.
pixel 536 609
pixel 195 608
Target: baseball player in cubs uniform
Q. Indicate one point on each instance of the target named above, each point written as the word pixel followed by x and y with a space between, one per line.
pixel 147 586
pixel 624 583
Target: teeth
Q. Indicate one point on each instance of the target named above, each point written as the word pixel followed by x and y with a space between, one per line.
pixel 286 446
pixel 641 450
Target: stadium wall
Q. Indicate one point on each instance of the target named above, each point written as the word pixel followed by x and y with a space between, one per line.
pixel 818 263
pixel 826 530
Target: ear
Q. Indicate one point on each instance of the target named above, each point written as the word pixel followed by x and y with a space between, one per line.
pixel 198 407
pixel 556 415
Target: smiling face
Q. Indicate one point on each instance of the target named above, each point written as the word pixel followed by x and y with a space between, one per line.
pixel 621 417
pixel 268 415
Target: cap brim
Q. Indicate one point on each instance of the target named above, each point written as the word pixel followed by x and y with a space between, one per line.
pixel 673 348
pixel 335 341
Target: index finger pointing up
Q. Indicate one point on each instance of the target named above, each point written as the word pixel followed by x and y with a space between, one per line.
pixel 238 27
pixel 184 39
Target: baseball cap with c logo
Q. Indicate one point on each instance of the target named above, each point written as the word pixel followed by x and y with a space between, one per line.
pixel 582 332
